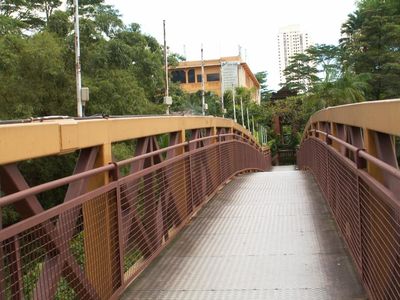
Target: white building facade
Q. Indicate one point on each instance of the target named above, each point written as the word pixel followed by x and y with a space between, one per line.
pixel 291 40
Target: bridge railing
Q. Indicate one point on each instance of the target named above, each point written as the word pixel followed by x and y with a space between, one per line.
pixel 116 215
pixel 351 151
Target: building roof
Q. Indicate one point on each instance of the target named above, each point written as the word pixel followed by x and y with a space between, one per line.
pixel 217 62
pixel 251 74
pixel 207 62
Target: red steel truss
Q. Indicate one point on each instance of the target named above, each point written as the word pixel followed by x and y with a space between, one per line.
pixel 96 242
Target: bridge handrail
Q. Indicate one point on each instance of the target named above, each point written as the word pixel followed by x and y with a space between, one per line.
pixel 361 153
pixel 113 166
pixel 351 151
pixel 380 116
pixel 54 137
pixel 116 215
pixel 368 127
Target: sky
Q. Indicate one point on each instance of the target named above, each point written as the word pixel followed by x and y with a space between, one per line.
pixel 222 25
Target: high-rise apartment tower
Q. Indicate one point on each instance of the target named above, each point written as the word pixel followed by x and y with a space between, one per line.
pixel 291 40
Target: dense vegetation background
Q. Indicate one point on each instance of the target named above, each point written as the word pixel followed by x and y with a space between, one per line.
pixel 124 67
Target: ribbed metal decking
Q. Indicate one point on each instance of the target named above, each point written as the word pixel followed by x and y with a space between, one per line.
pixel 264 236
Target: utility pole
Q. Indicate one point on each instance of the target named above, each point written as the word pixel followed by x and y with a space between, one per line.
pixel 234 104
pixel 222 89
pixel 203 101
pixel 167 98
pixel 166 63
pixel 241 108
pixel 248 120
pixel 252 118
pixel 78 61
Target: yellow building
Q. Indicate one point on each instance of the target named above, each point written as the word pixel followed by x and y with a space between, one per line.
pixel 221 75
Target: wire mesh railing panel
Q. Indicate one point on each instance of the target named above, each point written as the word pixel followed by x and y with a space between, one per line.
pixel 57 258
pixel 366 212
pixel 381 244
pixel 153 206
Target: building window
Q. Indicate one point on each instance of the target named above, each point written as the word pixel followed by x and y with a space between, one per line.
pixel 178 76
pixel 199 78
pixel 191 76
pixel 213 77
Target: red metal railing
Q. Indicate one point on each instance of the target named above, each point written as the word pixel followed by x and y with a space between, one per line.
pixel 93 245
pixel 366 208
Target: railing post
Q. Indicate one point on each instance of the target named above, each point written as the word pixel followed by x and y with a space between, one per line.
pixel 99 243
pixel 191 178
pixel 360 229
pixel 182 206
pixel 221 178
pixel 361 163
pixel 115 176
pixel 370 146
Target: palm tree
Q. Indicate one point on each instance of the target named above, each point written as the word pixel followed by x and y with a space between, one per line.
pixel 348 88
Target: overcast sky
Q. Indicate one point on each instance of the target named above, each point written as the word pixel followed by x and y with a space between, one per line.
pixel 222 25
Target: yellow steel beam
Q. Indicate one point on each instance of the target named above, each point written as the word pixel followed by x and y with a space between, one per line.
pixel 382 116
pixel 26 141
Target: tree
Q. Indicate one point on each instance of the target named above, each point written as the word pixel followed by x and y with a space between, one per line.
pixel 301 73
pixel 348 88
pixel 59 24
pixel 29 14
pixel 372 46
pixel 35 80
pixel 108 20
pixel 46 6
pixel 262 79
pixel 326 59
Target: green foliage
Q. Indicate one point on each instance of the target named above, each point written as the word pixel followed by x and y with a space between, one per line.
pixel 28 14
pixel 131 257
pixel 35 79
pixel 326 58
pixel 262 79
pixel 300 74
pixel 372 43
pixel 186 103
pixel 30 277
pixel 122 66
pixel 9 25
pixel 78 249
pixel 45 169
pixel 59 24
pixel 322 79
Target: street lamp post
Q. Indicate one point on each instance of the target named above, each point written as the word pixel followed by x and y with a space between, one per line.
pixel 167 98
pixel 248 120
pixel 222 90
pixel 234 104
pixel 252 119
pixel 77 61
pixel 241 108
pixel 203 108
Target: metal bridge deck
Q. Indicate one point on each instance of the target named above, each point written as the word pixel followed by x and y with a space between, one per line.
pixel 264 236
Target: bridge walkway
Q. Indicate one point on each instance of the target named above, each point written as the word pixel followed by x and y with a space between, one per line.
pixel 264 236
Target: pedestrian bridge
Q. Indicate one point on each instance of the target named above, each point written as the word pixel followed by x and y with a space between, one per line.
pixel 192 209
